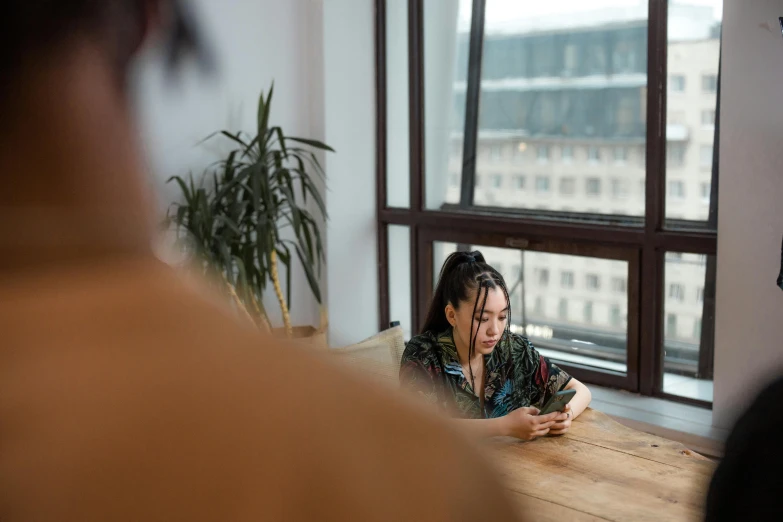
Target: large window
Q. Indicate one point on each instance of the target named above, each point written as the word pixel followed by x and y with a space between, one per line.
pixel 577 150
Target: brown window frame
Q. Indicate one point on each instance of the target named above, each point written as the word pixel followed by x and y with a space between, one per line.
pixel 641 241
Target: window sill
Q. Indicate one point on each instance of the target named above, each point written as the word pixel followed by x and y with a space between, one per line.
pixel 688 425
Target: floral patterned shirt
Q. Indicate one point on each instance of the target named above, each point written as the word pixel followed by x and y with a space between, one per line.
pixel 516 376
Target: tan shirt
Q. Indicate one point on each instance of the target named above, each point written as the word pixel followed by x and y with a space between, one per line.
pixel 126 394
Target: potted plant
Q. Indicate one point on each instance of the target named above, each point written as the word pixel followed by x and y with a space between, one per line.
pixel 247 215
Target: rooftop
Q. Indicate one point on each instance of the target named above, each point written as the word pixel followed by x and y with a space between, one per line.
pixel 686 21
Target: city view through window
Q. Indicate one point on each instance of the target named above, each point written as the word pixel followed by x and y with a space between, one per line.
pixel 561 131
pixel 562 128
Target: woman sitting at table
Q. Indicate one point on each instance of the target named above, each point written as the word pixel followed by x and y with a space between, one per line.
pixel 467 361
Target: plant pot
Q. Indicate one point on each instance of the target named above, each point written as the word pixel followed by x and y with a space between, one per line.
pixel 309 335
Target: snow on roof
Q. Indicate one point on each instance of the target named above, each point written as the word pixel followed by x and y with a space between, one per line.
pixel 686 22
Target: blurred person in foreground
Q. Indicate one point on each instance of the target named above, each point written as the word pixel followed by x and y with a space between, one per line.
pixel 125 394
pixel 747 484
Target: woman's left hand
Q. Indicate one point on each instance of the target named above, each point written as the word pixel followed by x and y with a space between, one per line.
pixel 562 422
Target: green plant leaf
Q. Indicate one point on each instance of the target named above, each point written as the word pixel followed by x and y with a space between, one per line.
pixel 313 143
pixel 281 140
pixel 311 279
pixel 229 223
pixel 308 186
pixel 209 137
pixel 308 244
pixel 183 187
pixel 235 138
pixel 264 106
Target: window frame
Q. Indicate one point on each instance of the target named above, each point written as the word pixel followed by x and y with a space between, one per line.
pixel 642 241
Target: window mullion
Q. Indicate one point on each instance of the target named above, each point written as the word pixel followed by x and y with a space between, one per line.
pixel 472 99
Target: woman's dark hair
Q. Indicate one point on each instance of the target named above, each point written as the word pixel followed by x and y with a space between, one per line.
pixel 463 273
pixel 39 26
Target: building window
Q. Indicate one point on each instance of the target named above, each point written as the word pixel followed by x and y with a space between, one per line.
pixel 697 329
pixel 542 276
pixel 567 279
pixel 705 156
pixel 519 182
pixel 495 154
pixel 676 189
pixel 709 83
pixel 677 292
pixel 700 294
pixel 597 58
pixel 542 153
pixel 624 59
pixel 588 312
pixel 708 117
pixel 567 153
pixel 593 154
pixel 675 117
pixel 496 180
pixel 593 187
pixel 619 188
pixel 676 83
pixel 570 59
pixel 615 316
pixel 567 186
pixel 618 285
pixel 562 309
pixel 705 192
pixel 620 154
pixel 675 155
pixel 519 152
pixel 542 184
pixel 479 180
pixel 539 306
pixel 671 325
pixel 593 282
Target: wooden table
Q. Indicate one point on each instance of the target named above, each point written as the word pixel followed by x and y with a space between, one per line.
pixel 602 470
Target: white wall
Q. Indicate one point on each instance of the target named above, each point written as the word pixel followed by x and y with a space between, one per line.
pixel 349 74
pixel 253 43
pixel 749 314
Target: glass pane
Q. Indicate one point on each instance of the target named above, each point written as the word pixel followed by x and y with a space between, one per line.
pixel 400 277
pixel 691 105
pixel 397 120
pixel 446 37
pixel 440 251
pixel 562 107
pixel 687 359
pixel 573 308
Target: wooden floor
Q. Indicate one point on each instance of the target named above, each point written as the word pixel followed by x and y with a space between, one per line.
pixel 602 470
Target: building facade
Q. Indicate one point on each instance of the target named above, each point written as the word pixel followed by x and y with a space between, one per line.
pixel 562 127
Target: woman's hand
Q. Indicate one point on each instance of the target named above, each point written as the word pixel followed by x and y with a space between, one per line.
pixel 562 421
pixel 527 424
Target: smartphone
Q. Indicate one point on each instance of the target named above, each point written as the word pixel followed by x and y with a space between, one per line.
pixel 557 402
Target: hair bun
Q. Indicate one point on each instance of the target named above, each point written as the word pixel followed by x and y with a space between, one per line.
pixel 475 257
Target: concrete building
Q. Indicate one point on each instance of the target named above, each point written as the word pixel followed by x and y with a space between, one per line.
pixel 562 128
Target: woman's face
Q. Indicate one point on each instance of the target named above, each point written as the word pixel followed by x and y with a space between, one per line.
pixel 490 324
